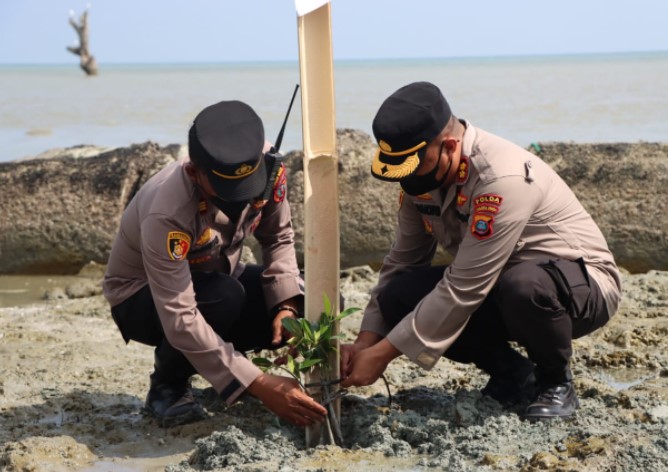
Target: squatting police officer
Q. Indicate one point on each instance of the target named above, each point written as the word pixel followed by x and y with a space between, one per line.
pixel 530 264
pixel 175 280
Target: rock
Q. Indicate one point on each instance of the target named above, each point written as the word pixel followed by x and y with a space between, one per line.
pixel 56 293
pixel 544 461
pixel 62 211
pixel 76 152
pixel 83 288
pixel 623 187
pixel 58 214
pixel 93 270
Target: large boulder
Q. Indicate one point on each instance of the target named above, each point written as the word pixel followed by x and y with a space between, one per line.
pixel 623 186
pixel 57 214
pixel 61 212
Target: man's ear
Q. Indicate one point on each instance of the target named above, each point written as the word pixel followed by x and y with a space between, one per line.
pixel 450 144
pixel 191 171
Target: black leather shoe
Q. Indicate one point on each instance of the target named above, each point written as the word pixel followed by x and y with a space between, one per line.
pixel 511 389
pixel 173 404
pixel 554 401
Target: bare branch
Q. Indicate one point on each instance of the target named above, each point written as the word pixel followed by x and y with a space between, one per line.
pixel 87 61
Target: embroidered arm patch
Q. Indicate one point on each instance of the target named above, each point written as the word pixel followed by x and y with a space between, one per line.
pixel 280 185
pixel 178 245
pixel 485 207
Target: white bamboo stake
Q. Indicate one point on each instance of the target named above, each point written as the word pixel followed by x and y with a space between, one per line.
pixel 321 207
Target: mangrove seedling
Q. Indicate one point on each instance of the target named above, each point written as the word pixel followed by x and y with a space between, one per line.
pixel 310 347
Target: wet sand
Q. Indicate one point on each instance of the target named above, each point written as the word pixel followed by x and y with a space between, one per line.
pixel 71 394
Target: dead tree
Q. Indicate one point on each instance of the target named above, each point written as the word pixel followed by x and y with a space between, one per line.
pixel 87 61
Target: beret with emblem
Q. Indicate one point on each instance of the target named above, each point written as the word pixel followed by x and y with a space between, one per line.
pixel 226 141
pixel 403 126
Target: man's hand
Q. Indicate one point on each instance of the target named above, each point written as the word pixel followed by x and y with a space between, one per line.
pixel 284 397
pixel 364 340
pixel 370 363
pixel 279 332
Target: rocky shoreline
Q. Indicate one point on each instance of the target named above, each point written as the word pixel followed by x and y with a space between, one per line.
pixel 71 391
pixel 61 212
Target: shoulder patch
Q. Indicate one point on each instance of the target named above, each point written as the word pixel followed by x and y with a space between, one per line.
pixel 487 199
pixel 178 245
pixel 482 226
pixel 280 185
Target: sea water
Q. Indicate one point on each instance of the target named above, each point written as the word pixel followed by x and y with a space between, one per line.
pixel 584 98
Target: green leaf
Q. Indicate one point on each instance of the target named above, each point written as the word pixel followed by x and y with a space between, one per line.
pixel 325 331
pixel 306 329
pixel 293 326
pixel 346 312
pixel 291 366
pixel 308 363
pixel 262 362
pixel 327 304
pixel 312 343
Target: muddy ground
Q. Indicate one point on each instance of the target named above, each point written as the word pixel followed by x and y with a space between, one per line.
pixel 71 394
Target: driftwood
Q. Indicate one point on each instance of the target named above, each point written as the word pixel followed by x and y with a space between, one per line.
pixel 87 62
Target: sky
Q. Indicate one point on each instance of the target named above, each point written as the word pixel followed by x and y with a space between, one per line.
pixel 180 31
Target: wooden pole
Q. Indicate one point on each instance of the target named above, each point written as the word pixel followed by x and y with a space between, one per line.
pixel 321 203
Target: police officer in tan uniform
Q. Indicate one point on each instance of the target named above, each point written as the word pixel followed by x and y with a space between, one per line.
pixel 175 280
pixel 529 263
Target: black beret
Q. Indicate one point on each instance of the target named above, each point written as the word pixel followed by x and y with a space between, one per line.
pixel 404 124
pixel 226 141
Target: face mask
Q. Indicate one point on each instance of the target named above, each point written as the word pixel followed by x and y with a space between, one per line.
pixel 418 184
pixel 231 209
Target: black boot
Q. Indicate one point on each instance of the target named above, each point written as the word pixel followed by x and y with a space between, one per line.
pixel 511 379
pixel 553 401
pixel 511 389
pixel 173 404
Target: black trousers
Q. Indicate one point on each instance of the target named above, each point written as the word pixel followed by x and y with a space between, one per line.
pixel 542 305
pixel 234 308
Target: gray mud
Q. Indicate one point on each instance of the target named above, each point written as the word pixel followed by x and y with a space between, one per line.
pixel 71 395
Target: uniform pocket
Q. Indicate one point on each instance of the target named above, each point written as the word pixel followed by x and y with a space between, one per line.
pixel 573 285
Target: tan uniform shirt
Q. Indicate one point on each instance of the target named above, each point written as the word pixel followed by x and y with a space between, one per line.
pixel 169 230
pixel 506 207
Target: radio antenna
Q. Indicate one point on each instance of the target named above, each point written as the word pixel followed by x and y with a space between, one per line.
pixel 279 139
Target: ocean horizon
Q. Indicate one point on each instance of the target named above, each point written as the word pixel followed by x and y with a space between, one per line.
pixel 611 97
